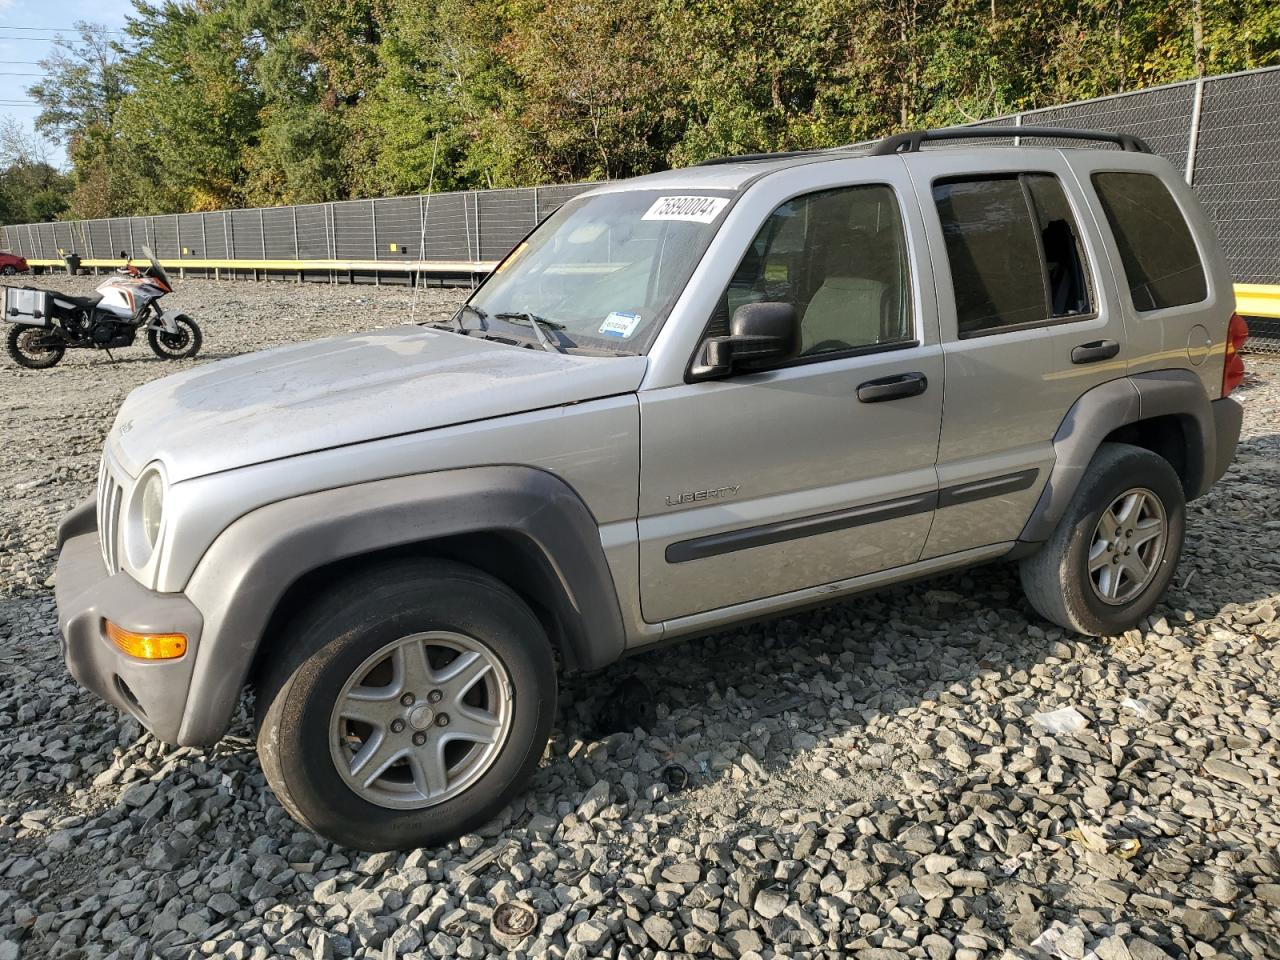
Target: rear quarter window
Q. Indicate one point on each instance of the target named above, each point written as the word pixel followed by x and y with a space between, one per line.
pixel 1159 256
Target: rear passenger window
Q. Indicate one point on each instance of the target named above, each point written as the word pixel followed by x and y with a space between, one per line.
pixel 1160 259
pixel 1014 251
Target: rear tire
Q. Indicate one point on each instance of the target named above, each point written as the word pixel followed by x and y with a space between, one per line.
pixel 330 662
pixel 176 346
pixel 19 343
pixel 10 270
pixel 1100 576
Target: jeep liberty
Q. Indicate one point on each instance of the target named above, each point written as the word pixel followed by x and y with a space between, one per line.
pixel 686 400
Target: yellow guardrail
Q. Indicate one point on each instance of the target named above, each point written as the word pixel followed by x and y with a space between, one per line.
pixel 299 266
pixel 1258 300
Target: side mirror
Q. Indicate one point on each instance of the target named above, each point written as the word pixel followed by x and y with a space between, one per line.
pixel 760 334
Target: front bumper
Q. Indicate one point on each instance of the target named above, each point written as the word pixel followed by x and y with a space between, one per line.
pixel 153 691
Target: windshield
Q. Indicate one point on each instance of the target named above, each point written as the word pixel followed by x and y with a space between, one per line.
pixel 157 270
pixel 603 271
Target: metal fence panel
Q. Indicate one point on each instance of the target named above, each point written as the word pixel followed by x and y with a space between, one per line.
pixel 277 234
pixel 552 198
pixel 505 217
pixel 164 230
pixel 1237 171
pixel 191 235
pixel 313 232
pixel 398 227
pixel 246 235
pixel 448 227
pixel 353 229
pixel 1161 116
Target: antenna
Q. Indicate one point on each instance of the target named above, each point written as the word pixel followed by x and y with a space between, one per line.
pixel 422 238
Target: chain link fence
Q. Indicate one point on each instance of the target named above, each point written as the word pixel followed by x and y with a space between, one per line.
pixel 1222 132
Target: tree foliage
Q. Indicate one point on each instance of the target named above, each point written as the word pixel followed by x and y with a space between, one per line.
pixel 214 103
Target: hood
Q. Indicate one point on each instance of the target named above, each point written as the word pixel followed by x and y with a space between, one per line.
pixel 342 390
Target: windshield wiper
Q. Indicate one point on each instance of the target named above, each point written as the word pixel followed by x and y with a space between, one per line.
pixel 480 315
pixel 537 323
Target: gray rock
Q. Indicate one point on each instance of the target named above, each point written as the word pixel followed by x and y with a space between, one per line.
pixel 659 929
pixel 770 903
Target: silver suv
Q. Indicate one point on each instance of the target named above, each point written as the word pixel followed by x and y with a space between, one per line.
pixel 684 401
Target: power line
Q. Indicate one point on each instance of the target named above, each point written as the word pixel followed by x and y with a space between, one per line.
pixel 63 29
pixel 21 74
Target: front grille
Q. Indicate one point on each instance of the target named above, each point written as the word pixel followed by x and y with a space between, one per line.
pixel 110 494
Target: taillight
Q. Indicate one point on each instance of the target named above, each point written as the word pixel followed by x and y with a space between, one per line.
pixel 1233 369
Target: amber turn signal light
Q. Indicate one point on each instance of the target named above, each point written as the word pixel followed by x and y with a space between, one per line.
pixel 147 646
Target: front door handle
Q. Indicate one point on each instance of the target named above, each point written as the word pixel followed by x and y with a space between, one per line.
pixel 893 388
pixel 1095 351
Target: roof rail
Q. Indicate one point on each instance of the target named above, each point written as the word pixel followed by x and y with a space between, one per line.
pixel 750 157
pixel 911 142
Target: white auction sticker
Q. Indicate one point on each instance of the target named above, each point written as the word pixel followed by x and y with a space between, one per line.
pixel 619 324
pixel 694 209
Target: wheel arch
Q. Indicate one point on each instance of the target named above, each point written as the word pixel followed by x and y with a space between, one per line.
pixel 1164 411
pixel 522 525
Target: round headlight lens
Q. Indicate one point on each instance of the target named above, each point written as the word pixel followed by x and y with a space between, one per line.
pixel 152 507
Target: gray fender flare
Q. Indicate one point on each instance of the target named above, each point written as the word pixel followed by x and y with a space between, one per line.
pixel 1114 404
pixel 253 563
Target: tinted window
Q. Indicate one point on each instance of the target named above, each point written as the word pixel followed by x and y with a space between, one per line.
pixel 838 256
pixel 1160 259
pixel 1014 252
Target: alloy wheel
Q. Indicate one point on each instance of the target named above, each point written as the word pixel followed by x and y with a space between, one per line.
pixel 1128 545
pixel 421 720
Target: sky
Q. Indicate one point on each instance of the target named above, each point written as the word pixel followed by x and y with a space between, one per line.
pixel 26 27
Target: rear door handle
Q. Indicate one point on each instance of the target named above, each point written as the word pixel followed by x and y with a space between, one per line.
pixel 893 388
pixel 1095 351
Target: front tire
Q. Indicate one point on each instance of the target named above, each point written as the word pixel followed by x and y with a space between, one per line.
pixel 1113 553
pixel 407 707
pixel 25 347
pixel 176 346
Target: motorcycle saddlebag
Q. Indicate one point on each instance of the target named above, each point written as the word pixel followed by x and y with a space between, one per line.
pixel 28 305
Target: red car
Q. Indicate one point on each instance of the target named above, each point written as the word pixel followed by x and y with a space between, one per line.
pixel 11 263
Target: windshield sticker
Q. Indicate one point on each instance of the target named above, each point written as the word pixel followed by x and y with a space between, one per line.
pixel 619 324
pixel 693 209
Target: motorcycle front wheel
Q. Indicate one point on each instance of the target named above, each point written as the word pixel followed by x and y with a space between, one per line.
pixel 29 348
pixel 183 344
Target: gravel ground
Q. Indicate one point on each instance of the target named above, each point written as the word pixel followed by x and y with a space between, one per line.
pixel 875 779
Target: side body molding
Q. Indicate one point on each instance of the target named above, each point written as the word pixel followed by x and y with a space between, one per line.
pixel 249 568
pixel 1114 404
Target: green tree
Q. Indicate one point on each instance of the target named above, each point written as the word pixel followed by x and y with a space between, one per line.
pixel 190 99
pixel 32 190
pixel 79 99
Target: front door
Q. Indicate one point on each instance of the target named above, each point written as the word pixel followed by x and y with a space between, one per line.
pixel 821 469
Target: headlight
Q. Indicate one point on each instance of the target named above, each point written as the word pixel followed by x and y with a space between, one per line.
pixel 145 512
pixel 152 506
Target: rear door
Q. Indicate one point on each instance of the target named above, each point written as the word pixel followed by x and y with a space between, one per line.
pixel 1026 329
pixel 821 469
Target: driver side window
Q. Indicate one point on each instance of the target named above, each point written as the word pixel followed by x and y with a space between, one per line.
pixel 839 257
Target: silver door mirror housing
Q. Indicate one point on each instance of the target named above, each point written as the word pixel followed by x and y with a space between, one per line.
pixel 760 334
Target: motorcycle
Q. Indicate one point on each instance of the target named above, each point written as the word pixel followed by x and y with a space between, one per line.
pixel 45 323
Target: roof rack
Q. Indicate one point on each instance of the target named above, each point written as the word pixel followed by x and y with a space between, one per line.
pixel 911 142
